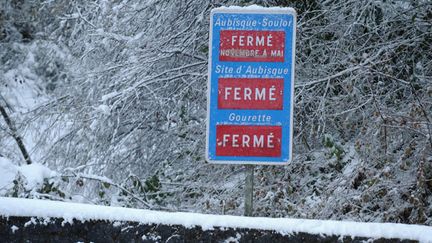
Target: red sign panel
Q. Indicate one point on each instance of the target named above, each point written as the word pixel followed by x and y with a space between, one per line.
pixel 250 93
pixel 238 140
pixel 252 46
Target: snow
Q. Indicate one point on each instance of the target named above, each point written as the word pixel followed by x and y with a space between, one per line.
pixel 253 7
pixel 7 172
pixel 109 96
pixel 34 175
pixel 22 90
pixel 69 211
pixel 104 109
pixel 232 239
pixel 14 228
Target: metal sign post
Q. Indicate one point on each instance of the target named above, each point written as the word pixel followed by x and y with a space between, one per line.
pixel 251 86
pixel 249 190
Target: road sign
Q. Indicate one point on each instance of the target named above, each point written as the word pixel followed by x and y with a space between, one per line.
pixel 251 85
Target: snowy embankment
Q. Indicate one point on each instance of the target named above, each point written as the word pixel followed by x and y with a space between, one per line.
pixel 68 211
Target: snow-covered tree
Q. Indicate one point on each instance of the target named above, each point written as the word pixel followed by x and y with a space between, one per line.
pixel 121 107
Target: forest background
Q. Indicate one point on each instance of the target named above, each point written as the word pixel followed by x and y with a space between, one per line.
pixel 108 99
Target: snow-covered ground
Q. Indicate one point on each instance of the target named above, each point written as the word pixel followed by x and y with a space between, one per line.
pixel 70 211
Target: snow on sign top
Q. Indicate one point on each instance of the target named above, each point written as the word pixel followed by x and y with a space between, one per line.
pixel 251 85
pixel 254 7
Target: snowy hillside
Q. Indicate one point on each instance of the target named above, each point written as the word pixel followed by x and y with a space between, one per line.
pixel 108 99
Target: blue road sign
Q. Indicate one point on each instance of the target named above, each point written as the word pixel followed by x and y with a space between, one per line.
pixel 251 85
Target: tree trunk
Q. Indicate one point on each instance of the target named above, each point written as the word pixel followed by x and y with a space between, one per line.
pixel 15 135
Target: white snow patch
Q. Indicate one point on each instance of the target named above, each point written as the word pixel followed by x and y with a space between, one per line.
pixel 353 162
pixel 94 124
pixel 253 7
pixel 35 174
pixel 21 91
pixel 109 96
pixel 151 237
pixel 14 228
pixel 68 211
pixel 312 201
pixel 7 171
pixel 104 109
pixel 233 240
pixel 30 222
